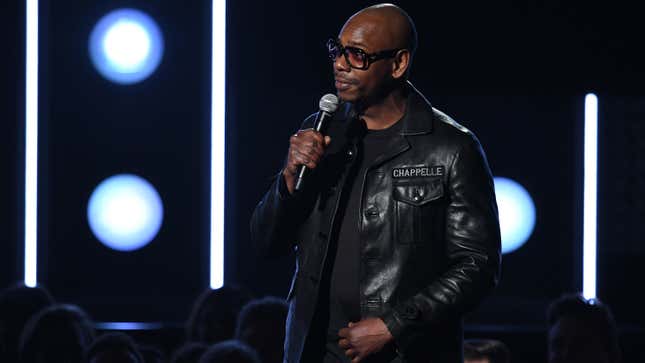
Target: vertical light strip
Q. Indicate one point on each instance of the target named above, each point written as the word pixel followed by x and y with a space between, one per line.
pixel 31 143
pixel 218 138
pixel 590 197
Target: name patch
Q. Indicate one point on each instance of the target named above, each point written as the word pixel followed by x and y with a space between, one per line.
pixel 418 171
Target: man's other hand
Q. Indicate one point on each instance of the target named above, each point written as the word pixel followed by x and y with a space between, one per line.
pixel 306 147
pixel 363 338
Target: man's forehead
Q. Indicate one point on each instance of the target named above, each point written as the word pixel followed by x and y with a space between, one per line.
pixel 365 32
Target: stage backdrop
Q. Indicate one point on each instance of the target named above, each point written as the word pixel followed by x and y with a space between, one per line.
pixel 157 129
pixel 515 74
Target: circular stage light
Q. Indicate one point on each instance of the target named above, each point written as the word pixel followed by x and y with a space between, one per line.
pixel 125 212
pixel 126 46
pixel 516 213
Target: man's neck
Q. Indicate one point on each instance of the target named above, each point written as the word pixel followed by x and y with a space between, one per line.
pixel 385 113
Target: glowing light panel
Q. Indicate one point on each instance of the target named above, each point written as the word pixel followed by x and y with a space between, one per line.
pixel 125 212
pixel 126 46
pixel 31 144
pixel 127 325
pixel 516 213
pixel 218 139
pixel 590 197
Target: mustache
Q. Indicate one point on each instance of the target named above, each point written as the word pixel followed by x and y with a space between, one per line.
pixel 344 79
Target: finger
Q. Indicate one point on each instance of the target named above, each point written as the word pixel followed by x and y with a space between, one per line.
pixel 295 160
pixel 344 343
pixel 350 353
pixel 311 148
pixel 306 136
pixel 314 150
pixel 344 333
pixel 310 133
pixel 291 169
pixel 318 135
pixel 327 140
pixel 301 159
pixel 351 324
pixel 357 359
pixel 294 139
pixel 316 143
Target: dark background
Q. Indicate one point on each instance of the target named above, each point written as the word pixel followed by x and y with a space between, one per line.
pixel 513 72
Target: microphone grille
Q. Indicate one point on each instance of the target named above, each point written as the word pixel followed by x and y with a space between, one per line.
pixel 328 103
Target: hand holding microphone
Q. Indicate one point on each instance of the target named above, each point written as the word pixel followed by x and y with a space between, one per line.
pixel 306 147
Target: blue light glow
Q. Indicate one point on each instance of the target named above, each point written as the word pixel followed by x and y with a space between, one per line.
pixel 31 144
pixel 125 212
pixel 218 141
pixel 516 213
pixel 127 325
pixel 590 208
pixel 126 46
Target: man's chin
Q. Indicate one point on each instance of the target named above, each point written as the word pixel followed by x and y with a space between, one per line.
pixel 347 95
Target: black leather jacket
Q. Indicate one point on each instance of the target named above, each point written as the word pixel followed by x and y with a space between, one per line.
pixel 430 240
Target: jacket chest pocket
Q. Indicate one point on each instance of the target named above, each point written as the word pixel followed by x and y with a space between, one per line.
pixel 417 210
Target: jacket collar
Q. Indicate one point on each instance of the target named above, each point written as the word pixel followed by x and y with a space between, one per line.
pixel 418 119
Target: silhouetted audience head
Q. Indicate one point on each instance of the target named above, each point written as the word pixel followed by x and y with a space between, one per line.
pixel 113 348
pixel 18 303
pixel 261 325
pixel 581 330
pixel 230 351
pixel 151 354
pixel 59 333
pixel 486 351
pixel 189 353
pixel 214 314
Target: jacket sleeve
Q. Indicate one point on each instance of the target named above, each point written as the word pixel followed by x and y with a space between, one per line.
pixel 278 216
pixel 473 242
pixel 270 229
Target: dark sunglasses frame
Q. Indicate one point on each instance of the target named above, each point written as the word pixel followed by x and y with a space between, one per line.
pixel 335 49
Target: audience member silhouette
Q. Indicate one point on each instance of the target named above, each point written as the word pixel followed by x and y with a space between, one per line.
pixel 486 351
pixel 214 314
pixel 151 354
pixel 113 348
pixel 581 330
pixel 59 333
pixel 18 303
pixel 230 351
pixel 261 324
pixel 189 353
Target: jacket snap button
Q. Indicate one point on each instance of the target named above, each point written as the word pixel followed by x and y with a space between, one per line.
pixel 416 198
pixel 411 313
pixel 350 154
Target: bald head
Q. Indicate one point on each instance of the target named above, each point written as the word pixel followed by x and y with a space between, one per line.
pixel 388 23
pixel 380 41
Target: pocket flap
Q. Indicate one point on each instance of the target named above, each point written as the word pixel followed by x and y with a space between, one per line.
pixel 417 193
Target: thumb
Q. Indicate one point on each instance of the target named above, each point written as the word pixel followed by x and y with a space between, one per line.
pixel 350 324
pixel 327 140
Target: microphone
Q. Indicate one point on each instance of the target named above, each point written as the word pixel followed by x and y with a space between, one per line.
pixel 327 105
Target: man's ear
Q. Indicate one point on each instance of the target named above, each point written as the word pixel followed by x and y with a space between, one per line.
pixel 401 63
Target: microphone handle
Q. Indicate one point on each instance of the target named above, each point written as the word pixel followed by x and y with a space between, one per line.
pixel 319 124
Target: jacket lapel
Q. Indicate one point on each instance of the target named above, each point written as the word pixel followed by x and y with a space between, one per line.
pixel 396 146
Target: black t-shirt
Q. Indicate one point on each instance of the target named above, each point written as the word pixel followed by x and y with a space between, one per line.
pixel 339 301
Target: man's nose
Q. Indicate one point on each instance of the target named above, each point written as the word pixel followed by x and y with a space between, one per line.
pixel 340 63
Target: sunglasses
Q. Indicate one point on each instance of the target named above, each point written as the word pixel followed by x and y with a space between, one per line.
pixel 356 57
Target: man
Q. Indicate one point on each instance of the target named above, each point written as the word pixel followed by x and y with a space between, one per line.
pixel 395 231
